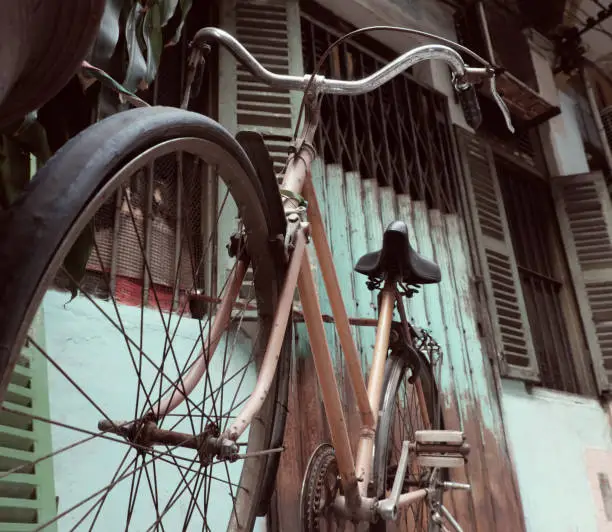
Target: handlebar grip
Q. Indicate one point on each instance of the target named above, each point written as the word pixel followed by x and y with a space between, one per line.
pixel 468 98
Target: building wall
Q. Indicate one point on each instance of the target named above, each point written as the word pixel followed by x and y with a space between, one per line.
pixel 93 353
pixel 559 442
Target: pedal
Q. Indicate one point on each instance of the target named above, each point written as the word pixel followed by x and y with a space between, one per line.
pixel 439 460
pixel 440 448
pixel 447 437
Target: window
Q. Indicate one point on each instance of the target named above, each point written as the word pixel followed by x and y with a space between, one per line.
pixel 398 134
pixel 538 251
pixel 168 204
pixel 543 252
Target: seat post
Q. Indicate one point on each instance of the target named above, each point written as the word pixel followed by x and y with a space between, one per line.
pixel 375 380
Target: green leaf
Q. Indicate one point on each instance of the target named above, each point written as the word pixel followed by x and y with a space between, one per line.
pixel 14 169
pixel 185 8
pixel 167 10
pixel 108 33
pixel 76 260
pixel 152 34
pixel 137 65
pixel 111 83
pixel 33 138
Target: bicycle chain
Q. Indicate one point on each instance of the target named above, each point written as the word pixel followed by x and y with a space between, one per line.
pixel 317 487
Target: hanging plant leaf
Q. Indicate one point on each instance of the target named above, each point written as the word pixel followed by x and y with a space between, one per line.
pixel 167 10
pixel 88 70
pixel 185 6
pixel 153 40
pixel 16 146
pixel 75 262
pixel 33 138
pixel 136 69
pixel 14 169
pixel 108 34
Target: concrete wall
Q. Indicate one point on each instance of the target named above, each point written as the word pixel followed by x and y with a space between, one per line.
pixel 563 145
pixel 560 443
pixel 94 355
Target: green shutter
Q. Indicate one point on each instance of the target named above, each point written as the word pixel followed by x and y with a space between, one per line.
pixel 271 32
pixel 501 280
pixel 27 498
pixel 584 210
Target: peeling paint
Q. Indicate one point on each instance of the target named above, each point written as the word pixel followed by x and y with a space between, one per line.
pixel 357 210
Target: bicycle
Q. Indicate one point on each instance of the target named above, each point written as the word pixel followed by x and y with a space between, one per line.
pixel 100 169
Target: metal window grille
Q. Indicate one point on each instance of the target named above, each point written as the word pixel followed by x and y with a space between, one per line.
pixel 535 235
pixel 399 134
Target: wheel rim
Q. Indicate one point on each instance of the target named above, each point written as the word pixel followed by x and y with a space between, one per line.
pixel 406 420
pixel 137 486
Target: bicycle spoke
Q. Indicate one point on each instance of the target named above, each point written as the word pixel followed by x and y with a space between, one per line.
pixel 134 491
pixel 87 499
pixel 204 253
pixel 154 494
pixel 100 503
pixel 226 362
pixel 157 304
pixel 193 503
pixel 114 324
pixel 44 353
pixel 204 348
pixel 232 495
pixel 124 334
pixel 185 303
pixel 184 478
pixel 174 497
pixel 17 469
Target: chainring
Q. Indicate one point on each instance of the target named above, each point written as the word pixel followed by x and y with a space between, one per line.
pixel 319 489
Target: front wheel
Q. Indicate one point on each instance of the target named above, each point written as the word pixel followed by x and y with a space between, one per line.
pixel 155 193
pixel 402 413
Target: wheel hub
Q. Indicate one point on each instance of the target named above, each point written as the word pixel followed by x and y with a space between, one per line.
pixel 210 444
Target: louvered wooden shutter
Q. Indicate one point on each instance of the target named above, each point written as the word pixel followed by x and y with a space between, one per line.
pixel 27 498
pixel 584 210
pixel 270 30
pixel 500 273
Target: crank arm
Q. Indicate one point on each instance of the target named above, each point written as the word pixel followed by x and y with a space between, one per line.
pixel 449 517
pixel 387 508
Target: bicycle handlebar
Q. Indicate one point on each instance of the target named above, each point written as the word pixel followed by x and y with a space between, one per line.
pixel 461 79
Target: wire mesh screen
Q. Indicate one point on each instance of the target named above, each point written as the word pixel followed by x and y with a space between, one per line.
pixel 156 217
pixel 398 135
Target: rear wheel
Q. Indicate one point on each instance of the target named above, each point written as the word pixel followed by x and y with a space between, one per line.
pixel 157 193
pixel 401 414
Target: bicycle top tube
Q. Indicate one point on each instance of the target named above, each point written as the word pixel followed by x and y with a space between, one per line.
pixel 338 86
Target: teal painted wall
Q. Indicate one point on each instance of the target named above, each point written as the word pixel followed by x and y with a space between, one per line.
pixel 94 354
pixel 550 437
pixel 356 211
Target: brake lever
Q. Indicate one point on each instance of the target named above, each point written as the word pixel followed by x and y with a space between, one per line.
pixel 500 103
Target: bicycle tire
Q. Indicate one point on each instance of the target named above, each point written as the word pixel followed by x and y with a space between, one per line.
pixel 47 216
pixel 395 372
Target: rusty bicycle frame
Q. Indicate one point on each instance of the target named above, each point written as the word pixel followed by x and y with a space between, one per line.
pixel 355 471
